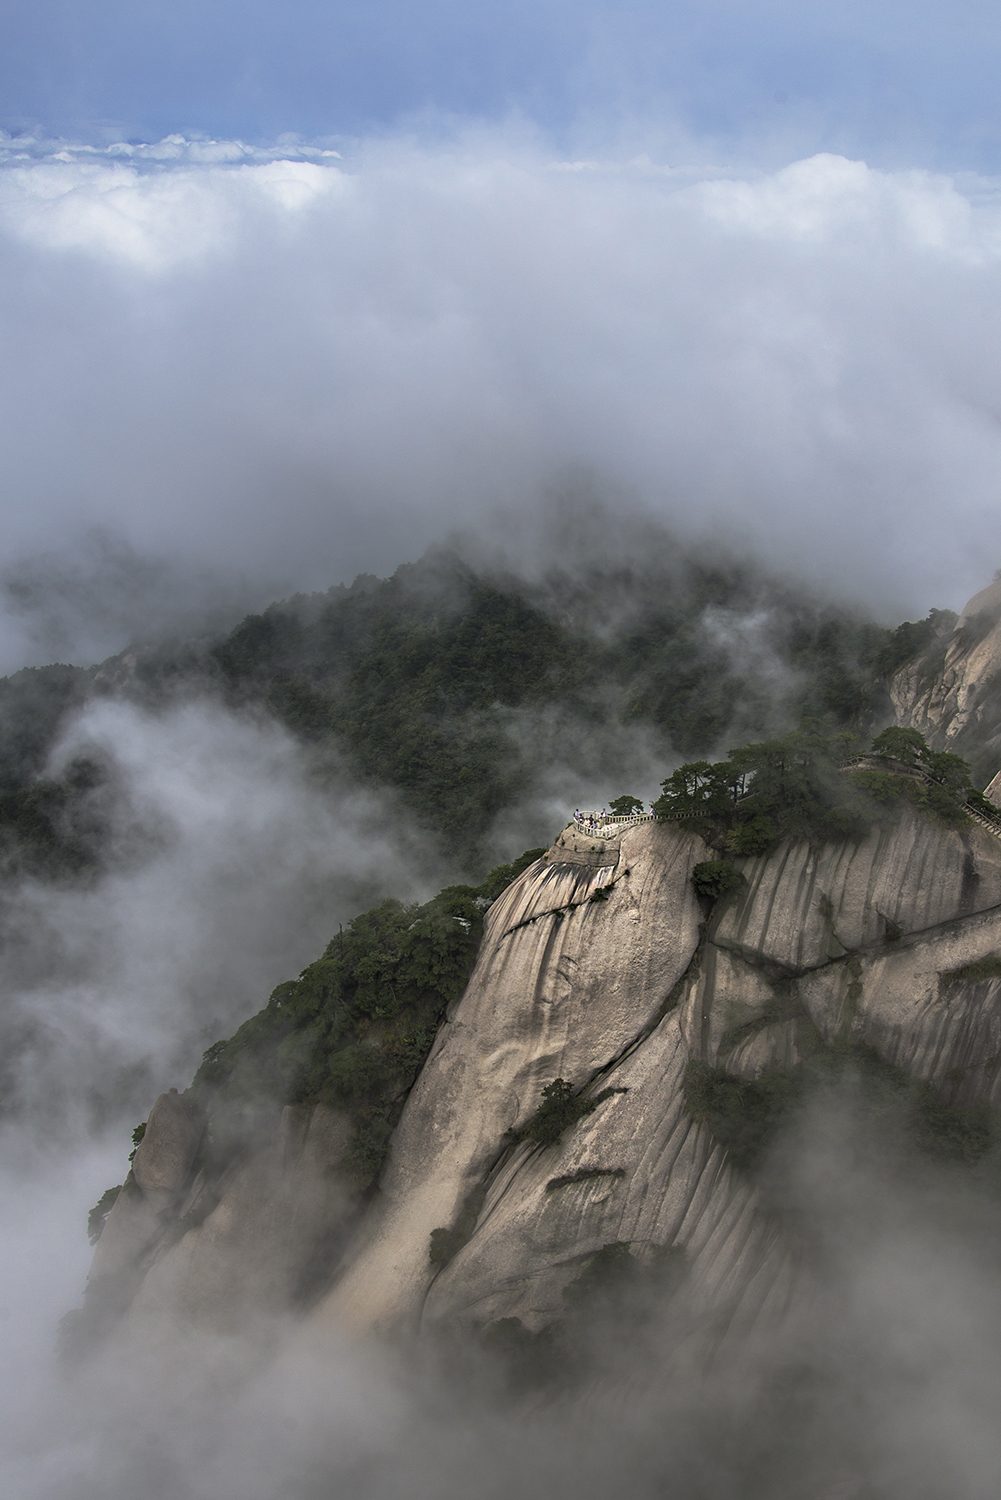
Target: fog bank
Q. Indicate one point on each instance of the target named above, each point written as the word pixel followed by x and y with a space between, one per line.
pixel 881 1385
pixel 275 373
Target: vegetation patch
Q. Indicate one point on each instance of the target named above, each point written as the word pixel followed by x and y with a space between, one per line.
pixel 795 787
pixel 742 1116
pixel 608 1310
pixel 974 973
pixel 746 1116
pixel 98 1216
pixel 559 1111
pixel 583 1174
pixel 415 676
pixel 715 878
pixel 446 1243
pixel 614 1277
pixel 417 682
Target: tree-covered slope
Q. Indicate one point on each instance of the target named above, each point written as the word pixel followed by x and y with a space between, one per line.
pixel 460 689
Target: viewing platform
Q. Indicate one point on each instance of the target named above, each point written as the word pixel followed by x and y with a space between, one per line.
pixel 597 825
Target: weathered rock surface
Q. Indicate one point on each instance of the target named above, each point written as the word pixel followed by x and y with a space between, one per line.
pixel 273 1228
pixel 164 1156
pixel 597 966
pixel 812 941
pixel 563 985
pixel 952 694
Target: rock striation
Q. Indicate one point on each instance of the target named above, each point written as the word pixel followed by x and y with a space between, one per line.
pixel 225 1251
pixel 598 966
pixel 952 691
pixel 861 942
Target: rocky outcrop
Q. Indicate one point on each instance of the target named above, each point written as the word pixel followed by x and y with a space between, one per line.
pixel 230 1248
pixel 598 966
pixel 852 940
pixel 160 1171
pixel 256 1243
pixel 952 692
pixel 564 986
pixel 164 1155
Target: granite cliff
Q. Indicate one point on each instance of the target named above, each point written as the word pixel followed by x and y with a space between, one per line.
pixel 608 973
pixel 600 966
pixel 950 691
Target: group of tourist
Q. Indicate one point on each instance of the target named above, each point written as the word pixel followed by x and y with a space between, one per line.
pixel 590 822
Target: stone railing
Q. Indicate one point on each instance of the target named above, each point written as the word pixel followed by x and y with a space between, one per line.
pixel 607 825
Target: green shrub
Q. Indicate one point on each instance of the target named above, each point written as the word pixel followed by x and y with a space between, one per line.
pixel 559 1111
pixel 908 746
pixel 625 807
pixel 753 836
pixel 446 1243
pixel 98 1216
pixel 976 972
pixel 885 789
pixel 137 1136
pixel 941 804
pixel 714 878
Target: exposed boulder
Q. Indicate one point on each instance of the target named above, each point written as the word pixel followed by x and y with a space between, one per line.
pixel 166 1152
pixel 254 1244
pixel 952 692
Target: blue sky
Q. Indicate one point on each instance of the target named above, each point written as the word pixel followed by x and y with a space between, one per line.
pixel 899 84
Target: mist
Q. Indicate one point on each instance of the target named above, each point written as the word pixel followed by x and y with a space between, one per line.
pixel 273 372
pixel 228 861
pixel 881 1382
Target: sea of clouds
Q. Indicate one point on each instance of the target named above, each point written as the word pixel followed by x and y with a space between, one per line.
pixel 275 368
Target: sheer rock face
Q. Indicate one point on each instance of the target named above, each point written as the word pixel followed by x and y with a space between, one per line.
pixel 227 1252
pixel 264 1236
pixel 564 984
pixel 164 1156
pixel 853 940
pixel 952 694
pixel 598 966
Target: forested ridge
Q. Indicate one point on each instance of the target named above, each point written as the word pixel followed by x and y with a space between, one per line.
pixel 431 683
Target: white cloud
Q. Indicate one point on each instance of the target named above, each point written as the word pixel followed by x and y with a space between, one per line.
pixel 293 370
pixel 231 866
pixel 153 221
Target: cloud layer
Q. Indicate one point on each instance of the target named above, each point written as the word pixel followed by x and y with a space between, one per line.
pixel 764 81
pixel 291 370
